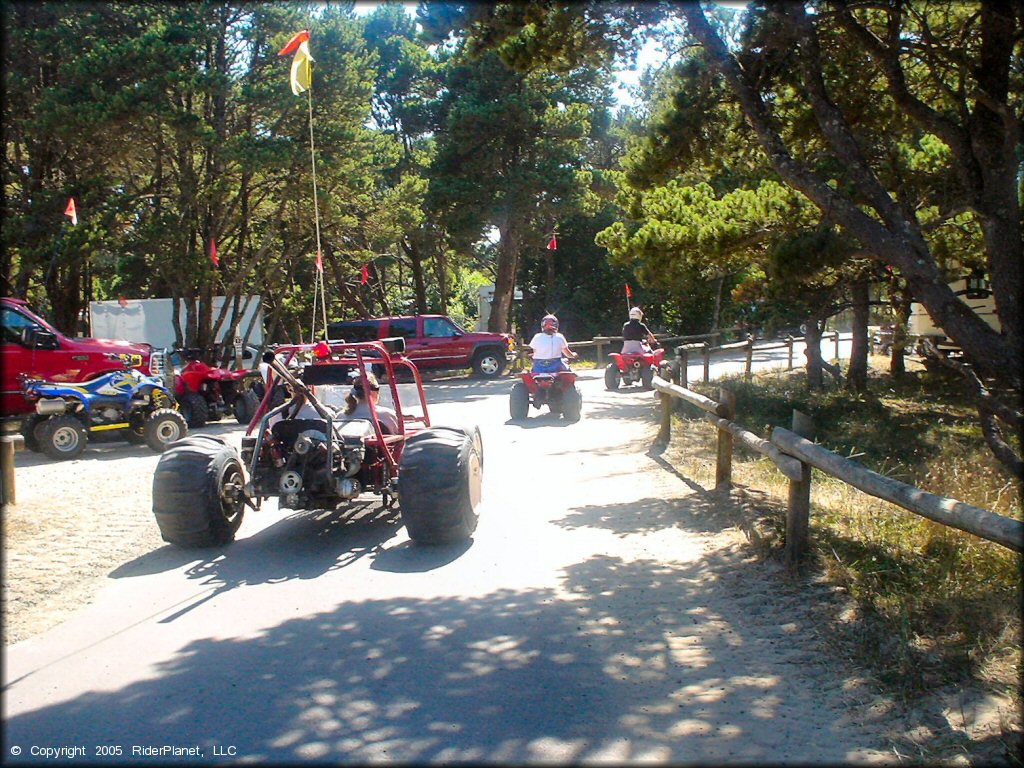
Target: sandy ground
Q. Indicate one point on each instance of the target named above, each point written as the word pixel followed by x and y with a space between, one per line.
pixel 58 555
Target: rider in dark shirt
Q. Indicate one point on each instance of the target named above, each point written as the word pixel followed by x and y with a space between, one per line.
pixel 635 333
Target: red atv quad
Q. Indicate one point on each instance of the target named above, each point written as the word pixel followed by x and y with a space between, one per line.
pixel 205 393
pixel 202 484
pixel 557 390
pixel 631 368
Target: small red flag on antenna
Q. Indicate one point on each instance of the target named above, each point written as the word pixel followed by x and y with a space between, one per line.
pixel 552 244
pixel 319 261
pixel 365 276
pixel 213 253
pixel 70 211
pixel 629 293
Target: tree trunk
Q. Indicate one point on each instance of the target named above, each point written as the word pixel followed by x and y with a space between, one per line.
pixel 900 337
pixel 812 351
pixel 504 282
pixel 857 375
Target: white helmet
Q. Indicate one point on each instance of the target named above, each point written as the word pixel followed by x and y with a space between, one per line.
pixel 636 313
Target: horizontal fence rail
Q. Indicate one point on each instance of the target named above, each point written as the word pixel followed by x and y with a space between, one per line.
pixel 795 454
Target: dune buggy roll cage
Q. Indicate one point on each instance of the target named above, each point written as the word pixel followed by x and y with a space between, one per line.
pixel 327 357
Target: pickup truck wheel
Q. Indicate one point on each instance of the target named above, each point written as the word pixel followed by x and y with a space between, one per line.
pixel 439 484
pixel 488 363
pixel 163 427
pixel 611 377
pixel 197 493
pixel 519 401
pixel 194 409
pixel 62 437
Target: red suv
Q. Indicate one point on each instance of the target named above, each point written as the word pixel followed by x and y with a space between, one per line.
pixel 434 341
pixel 30 345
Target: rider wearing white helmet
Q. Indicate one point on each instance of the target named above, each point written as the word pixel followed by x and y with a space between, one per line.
pixel 635 333
pixel 549 346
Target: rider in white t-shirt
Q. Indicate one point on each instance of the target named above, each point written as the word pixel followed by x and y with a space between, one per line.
pixel 549 347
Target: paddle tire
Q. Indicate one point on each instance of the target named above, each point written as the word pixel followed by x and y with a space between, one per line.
pixel 440 479
pixel 62 437
pixel 572 403
pixel 194 409
pixel 163 427
pixel 611 376
pixel 519 401
pixel 198 498
pixel 474 434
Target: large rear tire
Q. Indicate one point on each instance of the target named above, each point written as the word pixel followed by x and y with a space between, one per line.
pixel 194 409
pixel 62 437
pixel 611 377
pixel 197 493
pixel 440 479
pixel 519 401
pixel 163 427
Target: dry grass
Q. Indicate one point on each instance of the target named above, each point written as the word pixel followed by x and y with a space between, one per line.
pixel 930 605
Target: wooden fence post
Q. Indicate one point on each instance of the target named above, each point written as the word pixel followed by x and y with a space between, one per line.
pixel 665 431
pixel 798 511
pixel 750 356
pixel 789 344
pixel 723 465
pixel 707 360
pixel 683 356
pixel 599 344
pixel 835 335
pixel 9 443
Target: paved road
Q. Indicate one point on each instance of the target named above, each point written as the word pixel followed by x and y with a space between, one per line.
pixel 597 615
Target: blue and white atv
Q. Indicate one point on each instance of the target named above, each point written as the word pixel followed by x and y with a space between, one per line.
pixel 138 407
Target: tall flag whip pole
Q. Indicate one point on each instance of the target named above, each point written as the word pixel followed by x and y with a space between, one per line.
pixel 629 295
pixel 302 80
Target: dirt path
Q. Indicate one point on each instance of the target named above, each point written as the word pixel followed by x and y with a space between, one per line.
pixel 700 606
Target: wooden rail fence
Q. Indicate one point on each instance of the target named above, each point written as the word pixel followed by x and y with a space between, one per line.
pixel 794 453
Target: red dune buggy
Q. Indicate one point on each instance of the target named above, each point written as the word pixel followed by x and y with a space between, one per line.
pixel 202 485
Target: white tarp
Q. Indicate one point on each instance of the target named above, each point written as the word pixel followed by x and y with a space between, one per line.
pixel 149 320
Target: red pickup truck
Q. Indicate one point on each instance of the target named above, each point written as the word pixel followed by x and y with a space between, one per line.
pixel 31 346
pixel 434 341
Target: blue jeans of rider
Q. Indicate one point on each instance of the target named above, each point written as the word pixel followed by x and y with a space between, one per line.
pixel 551 365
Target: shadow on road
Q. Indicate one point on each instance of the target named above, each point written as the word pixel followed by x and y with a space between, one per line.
pixel 652 661
pixel 303 545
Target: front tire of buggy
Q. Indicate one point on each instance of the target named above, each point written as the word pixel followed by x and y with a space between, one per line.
pixel 198 499
pixel 440 479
